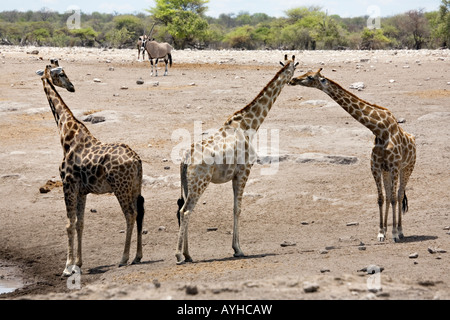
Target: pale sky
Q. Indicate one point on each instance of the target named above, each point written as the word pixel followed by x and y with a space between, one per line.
pixel 274 8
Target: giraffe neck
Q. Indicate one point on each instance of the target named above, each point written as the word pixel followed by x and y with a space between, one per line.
pixel 377 119
pixel 71 130
pixel 253 115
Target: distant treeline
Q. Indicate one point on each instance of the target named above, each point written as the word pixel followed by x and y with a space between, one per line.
pixel 303 28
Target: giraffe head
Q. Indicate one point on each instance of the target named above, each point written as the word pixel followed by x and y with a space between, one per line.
pixel 291 64
pixel 56 75
pixel 311 79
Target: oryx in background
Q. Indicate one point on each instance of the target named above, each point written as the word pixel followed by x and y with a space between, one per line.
pixel 157 51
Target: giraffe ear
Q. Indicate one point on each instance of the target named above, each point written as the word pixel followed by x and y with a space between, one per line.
pixel 40 72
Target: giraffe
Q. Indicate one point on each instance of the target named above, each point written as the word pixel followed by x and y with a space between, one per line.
pixel 393 155
pixel 203 162
pixel 90 166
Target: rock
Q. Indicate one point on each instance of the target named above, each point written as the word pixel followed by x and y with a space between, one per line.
pixel 318 157
pixel 161 228
pixel 414 255
pixel 287 244
pixel 319 103
pixel 211 229
pixel 123 88
pixel 140 81
pixel 155 84
pixel 391 81
pixel 94 119
pixel 33 52
pixel 310 287
pixel 371 269
pixel 436 250
pixel 111 68
pixel 358 86
pixel 191 290
pixel 97 80
pixel 349 224
pixel 305 223
pixel 323 270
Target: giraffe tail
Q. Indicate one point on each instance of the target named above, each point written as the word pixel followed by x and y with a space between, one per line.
pixel 404 203
pixel 140 213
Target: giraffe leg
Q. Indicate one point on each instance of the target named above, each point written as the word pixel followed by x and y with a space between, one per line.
pixel 81 204
pixel 130 216
pixel 388 190
pixel 377 176
pixel 238 190
pixel 404 178
pixel 71 209
pixel 182 244
pixel 139 223
pixel 394 177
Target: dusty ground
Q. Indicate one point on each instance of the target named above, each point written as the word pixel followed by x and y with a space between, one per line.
pixel 327 212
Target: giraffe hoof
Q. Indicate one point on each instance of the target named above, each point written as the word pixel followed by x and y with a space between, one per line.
pixel 136 261
pixel 239 255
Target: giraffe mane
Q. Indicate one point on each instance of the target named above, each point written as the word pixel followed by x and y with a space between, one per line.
pixel 261 93
pixel 358 98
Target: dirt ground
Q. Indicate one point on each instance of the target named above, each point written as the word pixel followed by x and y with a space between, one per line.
pixel 309 223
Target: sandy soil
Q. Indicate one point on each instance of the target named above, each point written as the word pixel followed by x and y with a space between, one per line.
pixel 310 225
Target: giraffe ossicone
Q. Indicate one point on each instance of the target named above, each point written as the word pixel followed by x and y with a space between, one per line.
pixel 393 156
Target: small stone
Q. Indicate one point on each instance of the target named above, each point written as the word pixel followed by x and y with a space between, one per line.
pixel 123 88
pixel 211 229
pixel 361 248
pixel 323 251
pixel 414 255
pixel 93 210
pixel 309 287
pixel 140 81
pixel 391 81
pixel 305 223
pixel 156 283
pixel 323 270
pixel 161 228
pixel 287 244
pixel 166 168
pixel 111 68
pixel 349 224
pixel 401 120
pixel 358 86
pixel 145 231
pixel 192 84
pixel 191 290
pixel 97 80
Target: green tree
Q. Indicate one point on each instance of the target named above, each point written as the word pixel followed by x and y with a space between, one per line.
pixel 184 20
